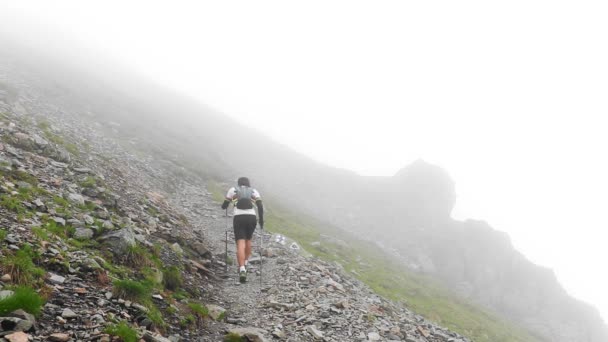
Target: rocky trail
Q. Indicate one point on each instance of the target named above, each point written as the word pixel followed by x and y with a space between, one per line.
pixel 107 227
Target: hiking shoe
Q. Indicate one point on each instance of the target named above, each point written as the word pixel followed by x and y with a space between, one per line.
pixel 243 277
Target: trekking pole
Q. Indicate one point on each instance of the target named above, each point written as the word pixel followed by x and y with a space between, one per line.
pixel 261 252
pixel 226 253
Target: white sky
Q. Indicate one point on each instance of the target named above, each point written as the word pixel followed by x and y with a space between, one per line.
pixel 509 97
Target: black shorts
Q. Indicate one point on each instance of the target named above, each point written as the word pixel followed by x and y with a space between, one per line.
pixel 244 225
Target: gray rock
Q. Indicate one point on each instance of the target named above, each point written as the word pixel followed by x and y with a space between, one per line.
pixel 24 185
pixel 90 264
pixel 56 279
pixel 75 199
pixel 152 337
pixel 88 219
pixel 82 170
pixel 140 307
pixel 15 324
pixel 216 312
pixel 59 337
pixel 38 203
pixel 6 293
pixel 67 313
pixel 177 248
pixel 83 234
pixel 253 334
pixel 119 241
pixel 316 334
pixel 374 336
pixel 40 141
pixel 59 220
pixel 108 225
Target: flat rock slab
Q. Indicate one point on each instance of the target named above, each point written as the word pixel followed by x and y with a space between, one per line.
pixel 19 336
pixel 253 334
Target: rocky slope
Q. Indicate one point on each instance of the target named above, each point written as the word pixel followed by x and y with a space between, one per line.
pixel 103 224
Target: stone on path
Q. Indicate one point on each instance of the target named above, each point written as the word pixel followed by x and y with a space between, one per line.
pixel 316 333
pixel 253 334
pixel 18 336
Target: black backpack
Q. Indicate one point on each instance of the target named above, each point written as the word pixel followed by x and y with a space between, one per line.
pixel 244 197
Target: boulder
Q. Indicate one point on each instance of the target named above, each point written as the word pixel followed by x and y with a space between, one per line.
pixel 216 312
pixel 83 234
pixel 76 199
pixel 119 241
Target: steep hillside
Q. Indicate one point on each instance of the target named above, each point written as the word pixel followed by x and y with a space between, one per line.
pixel 409 214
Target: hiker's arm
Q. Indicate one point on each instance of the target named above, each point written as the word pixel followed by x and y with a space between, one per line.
pixel 260 212
pixel 228 198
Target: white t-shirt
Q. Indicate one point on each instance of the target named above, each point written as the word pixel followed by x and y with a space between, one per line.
pixel 231 196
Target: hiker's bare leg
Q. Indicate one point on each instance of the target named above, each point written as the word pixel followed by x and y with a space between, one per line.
pixel 247 249
pixel 240 252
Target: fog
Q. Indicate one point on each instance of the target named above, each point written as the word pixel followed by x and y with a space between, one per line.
pixel 509 98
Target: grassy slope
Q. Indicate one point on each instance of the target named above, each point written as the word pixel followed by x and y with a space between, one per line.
pixel 365 261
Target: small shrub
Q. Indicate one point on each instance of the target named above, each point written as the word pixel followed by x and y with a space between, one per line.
pixel 41 233
pixel 88 182
pixel 122 330
pixel 3 233
pixel 59 230
pixel 156 317
pixel 72 148
pixel 24 176
pixel 44 125
pixel 24 298
pixel 187 322
pixel 138 257
pixel 60 201
pixel 21 266
pixel 199 310
pixel 172 278
pixel 133 290
pixel 82 244
pixel 181 294
pixel 13 204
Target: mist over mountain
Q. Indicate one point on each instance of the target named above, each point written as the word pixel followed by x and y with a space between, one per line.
pixel 408 215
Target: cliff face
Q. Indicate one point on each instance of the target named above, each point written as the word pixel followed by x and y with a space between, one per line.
pixel 479 262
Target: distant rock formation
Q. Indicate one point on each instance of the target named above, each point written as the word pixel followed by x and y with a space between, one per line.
pixel 480 263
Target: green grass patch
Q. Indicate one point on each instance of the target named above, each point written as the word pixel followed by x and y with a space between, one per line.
pixel 83 244
pixel 13 204
pixel 24 298
pixel 57 229
pixel 88 182
pixel 23 176
pixel 199 310
pixel 156 317
pixel 139 291
pixel 41 233
pixel 123 331
pixel 44 125
pixel 180 295
pixel 172 278
pixel 138 257
pixel 21 267
pixel 3 234
pixel 60 201
pixel 117 271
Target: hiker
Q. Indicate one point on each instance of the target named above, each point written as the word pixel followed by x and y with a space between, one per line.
pixel 243 196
